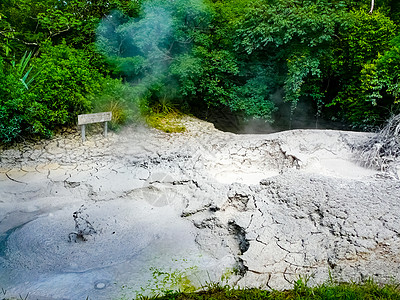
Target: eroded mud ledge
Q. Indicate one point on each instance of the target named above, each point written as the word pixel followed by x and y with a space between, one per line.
pixel 271 207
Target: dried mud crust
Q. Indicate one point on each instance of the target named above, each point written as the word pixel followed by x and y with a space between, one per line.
pixel 271 207
pixel 302 224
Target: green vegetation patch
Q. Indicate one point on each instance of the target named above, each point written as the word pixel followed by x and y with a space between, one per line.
pixel 326 291
pixel 167 122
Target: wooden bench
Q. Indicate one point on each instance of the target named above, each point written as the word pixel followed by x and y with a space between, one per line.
pixel 94 118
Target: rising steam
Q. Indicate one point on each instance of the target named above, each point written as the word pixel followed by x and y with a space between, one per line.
pixel 142 49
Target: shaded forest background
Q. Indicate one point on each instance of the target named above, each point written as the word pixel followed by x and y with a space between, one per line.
pixel 251 58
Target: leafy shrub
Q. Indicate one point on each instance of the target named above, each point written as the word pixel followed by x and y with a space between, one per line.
pixel 123 100
pixel 14 105
pixel 63 87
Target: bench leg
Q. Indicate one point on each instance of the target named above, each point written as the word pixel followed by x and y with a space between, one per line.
pixel 83 133
pixel 105 129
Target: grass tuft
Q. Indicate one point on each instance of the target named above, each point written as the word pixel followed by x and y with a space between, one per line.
pixel 328 291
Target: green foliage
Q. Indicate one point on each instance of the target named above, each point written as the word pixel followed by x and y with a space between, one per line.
pixel 262 47
pixel 387 70
pixel 5 36
pixel 148 44
pixel 21 71
pixel 215 75
pixel 333 56
pixel 300 291
pixel 150 51
pixel 169 282
pixel 324 52
pixel 64 86
pixel 15 113
pixel 213 82
pixel 21 115
pixel 365 39
pixel 165 281
pixel 296 38
pixel 300 67
pixel 287 23
pixel 33 23
pixel 121 99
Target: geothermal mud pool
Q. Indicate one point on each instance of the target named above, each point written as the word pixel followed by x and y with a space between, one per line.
pixel 255 210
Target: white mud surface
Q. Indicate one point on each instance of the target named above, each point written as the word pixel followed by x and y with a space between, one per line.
pixel 257 210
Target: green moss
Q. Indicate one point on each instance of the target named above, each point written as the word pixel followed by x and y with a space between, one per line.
pixel 169 122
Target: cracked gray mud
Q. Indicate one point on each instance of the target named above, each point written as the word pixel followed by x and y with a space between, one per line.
pixel 264 209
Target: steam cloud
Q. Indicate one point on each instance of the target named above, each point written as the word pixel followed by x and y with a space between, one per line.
pixel 142 49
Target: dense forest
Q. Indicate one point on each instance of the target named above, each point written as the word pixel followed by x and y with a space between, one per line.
pixel 60 58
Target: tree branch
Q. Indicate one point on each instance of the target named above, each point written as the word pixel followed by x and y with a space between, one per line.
pixel 59 32
pixel 372 6
pixel 19 40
